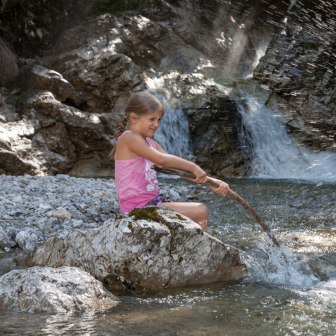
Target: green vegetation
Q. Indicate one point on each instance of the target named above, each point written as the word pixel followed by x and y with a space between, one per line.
pixel 152 213
pixel 14 99
pixel 181 218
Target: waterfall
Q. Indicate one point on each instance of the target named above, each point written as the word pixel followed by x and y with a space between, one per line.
pixel 173 133
pixel 275 154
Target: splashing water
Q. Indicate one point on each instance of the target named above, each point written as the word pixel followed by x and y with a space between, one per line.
pixel 274 153
pixel 278 266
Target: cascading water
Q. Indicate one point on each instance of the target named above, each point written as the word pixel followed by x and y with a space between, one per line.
pixel 274 153
pixel 173 133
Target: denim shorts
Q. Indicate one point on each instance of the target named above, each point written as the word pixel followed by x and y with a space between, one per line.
pixel 157 201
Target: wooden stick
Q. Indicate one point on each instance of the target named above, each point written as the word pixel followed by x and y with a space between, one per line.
pixel 213 183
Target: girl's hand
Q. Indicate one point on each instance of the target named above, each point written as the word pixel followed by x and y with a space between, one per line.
pixel 222 189
pixel 200 175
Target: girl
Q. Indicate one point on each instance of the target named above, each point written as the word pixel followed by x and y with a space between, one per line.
pixel 136 151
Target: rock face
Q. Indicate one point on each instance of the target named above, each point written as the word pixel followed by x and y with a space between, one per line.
pixel 53 290
pixel 9 68
pixel 164 250
pixel 299 68
pixel 31 27
pixel 191 52
pixel 184 50
pixel 215 129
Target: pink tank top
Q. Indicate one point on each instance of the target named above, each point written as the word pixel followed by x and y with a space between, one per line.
pixel 135 181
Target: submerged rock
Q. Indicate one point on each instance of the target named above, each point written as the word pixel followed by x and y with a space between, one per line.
pixel 153 249
pixel 54 290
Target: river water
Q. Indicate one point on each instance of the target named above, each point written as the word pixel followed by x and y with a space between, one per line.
pixel 289 290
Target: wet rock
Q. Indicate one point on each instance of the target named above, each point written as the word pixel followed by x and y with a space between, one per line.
pixel 53 291
pixel 214 132
pixel 153 249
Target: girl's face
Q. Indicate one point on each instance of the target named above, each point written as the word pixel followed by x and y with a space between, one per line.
pixel 147 124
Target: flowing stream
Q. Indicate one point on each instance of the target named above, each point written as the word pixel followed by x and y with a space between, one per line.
pixel 289 290
pixel 274 153
pixel 173 134
pixel 293 297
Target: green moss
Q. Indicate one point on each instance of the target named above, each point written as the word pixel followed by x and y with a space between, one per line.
pixel 15 100
pixel 151 213
pixel 181 218
pixel 146 213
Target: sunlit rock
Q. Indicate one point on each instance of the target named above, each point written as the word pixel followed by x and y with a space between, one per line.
pixel 156 248
pixel 38 77
pixel 53 290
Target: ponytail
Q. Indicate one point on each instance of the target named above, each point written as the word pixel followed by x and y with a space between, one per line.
pixel 121 127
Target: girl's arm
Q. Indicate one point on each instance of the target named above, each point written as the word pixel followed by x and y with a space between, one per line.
pixel 159 148
pixel 137 145
pixel 222 189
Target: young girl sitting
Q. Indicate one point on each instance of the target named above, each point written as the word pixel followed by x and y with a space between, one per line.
pixel 135 152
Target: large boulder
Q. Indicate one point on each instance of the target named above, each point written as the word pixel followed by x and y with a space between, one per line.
pixel 50 137
pixel 153 248
pixel 53 290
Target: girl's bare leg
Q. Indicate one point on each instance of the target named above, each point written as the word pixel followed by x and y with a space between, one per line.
pixel 198 212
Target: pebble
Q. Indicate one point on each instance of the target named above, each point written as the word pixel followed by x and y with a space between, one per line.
pixel 35 208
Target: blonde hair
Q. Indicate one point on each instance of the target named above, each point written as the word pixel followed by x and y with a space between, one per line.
pixel 139 103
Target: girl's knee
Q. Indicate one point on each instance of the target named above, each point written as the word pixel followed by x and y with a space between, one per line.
pixel 203 210
pixel 203 215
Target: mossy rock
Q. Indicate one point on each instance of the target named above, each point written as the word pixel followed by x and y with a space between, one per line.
pixel 153 214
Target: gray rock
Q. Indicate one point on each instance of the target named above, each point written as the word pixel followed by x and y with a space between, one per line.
pixel 37 77
pixel 53 290
pixel 33 209
pixel 299 69
pixel 168 250
pixel 27 239
pixel 6 242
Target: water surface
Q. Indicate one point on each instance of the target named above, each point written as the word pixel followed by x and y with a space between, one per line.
pixel 289 291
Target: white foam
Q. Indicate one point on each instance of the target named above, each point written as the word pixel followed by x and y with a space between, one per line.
pixel 275 153
pixel 173 134
pixel 278 266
